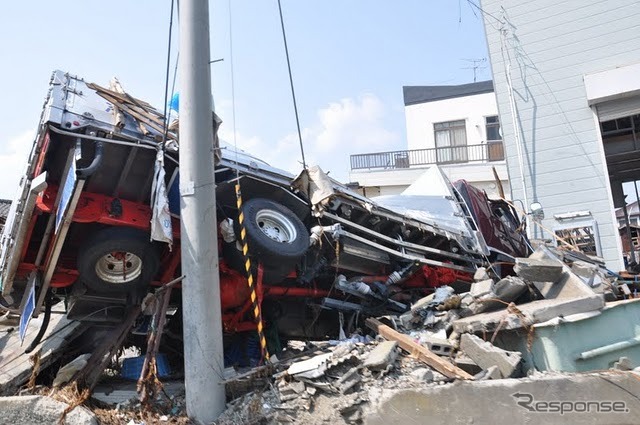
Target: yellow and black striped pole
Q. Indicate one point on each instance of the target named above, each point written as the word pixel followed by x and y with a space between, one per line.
pixel 257 312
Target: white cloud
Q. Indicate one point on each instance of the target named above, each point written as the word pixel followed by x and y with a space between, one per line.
pixel 342 128
pixel 14 154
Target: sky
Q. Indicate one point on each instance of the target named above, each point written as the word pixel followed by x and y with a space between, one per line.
pixel 349 59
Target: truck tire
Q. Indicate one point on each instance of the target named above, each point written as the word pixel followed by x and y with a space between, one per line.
pixel 118 260
pixel 277 237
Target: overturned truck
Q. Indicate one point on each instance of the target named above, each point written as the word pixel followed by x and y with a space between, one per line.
pixel 80 229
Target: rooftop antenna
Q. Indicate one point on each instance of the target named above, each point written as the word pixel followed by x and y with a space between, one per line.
pixel 476 64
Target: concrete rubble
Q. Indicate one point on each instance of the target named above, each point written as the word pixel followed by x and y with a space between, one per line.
pixel 486 355
pixel 495 334
pixel 37 409
pixel 484 339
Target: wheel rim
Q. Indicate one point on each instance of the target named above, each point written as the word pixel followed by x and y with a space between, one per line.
pixel 119 267
pixel 276 226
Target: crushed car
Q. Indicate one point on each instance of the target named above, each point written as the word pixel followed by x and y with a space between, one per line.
pixel 82 228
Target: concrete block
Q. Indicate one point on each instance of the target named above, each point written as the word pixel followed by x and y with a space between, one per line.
pixel 465 363
pixel 422 375
pixel 481 288
pixel 538 269
pixel 36 409
pixel 291 390
pixel 347 381
pixel 491 373
pixel 509 288
pixel 569 285
pixel 439 346
pixel 586 271
pixel 382 356
pixel 486 355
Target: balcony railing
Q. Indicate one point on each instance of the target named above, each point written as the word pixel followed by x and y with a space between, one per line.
pixel 486 152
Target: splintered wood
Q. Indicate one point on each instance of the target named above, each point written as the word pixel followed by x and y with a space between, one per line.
pixel 421 353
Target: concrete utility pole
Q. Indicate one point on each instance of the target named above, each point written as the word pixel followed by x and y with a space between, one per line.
pixel 203 351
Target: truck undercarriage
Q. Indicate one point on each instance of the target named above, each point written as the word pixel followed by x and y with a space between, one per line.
pixel 79 229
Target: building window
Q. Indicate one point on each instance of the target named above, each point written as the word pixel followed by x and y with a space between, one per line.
pixel 451 141
pixel 583 237
pixel 493 128
pixel 495 150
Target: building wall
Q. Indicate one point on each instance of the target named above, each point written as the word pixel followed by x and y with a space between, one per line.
pixel 549 45
pixel 421 117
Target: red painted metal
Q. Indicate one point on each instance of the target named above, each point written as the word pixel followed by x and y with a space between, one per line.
pixel 96 208
pixel 282 291
pixel 432 277
pixel 234 291
pixel 62 277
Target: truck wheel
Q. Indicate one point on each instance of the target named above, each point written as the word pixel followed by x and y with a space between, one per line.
pixel 118 260
pixel 275 234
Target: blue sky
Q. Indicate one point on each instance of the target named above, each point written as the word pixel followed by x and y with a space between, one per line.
pixel 350 60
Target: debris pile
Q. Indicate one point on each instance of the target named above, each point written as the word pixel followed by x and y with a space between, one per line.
pixel 548 316
pixel 486 333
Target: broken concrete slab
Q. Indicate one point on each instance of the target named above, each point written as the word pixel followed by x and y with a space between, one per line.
pixel 439 346
pixel 538 269
pixel 485 355
pixel 36 409
pixel 509 288
pixel 589 273
pixel 534 312
pixel 491 373
pixel 569 285
pixel 514 401
pixel 382 356
pixel 465 363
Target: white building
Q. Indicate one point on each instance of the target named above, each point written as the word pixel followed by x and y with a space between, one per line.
pixel 456 127
pixel 567 81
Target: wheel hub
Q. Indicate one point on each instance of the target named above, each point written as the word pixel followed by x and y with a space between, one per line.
pixel 276 226
pixel 119 267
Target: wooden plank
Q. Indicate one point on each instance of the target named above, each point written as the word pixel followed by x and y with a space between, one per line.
pixel 125 99
pixel 421 353
pixel 15 365
pixel 136 114
pixel 100 357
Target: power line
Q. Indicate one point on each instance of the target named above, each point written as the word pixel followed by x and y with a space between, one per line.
pixel 293 93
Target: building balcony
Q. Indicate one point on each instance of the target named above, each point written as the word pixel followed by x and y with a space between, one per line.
pixel 486 152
